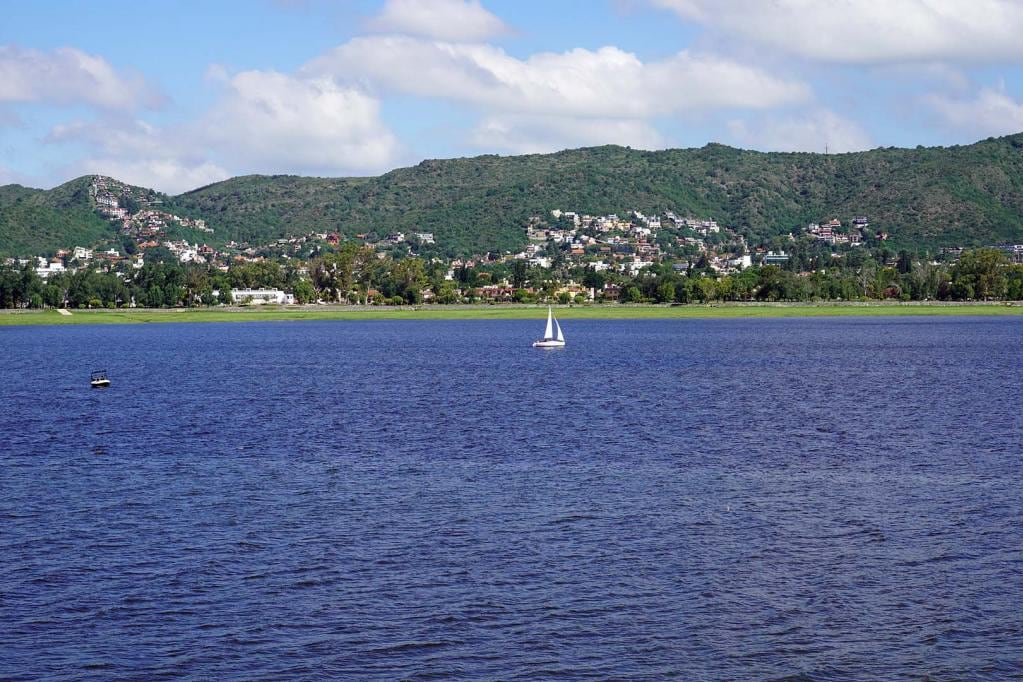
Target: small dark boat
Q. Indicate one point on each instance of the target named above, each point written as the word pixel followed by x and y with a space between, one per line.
pixel 99 379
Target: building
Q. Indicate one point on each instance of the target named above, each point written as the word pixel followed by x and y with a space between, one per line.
pixel 45 268
pixel 261 296
pixel 1014 252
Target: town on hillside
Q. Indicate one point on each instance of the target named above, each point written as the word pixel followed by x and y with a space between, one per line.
pixel 569 256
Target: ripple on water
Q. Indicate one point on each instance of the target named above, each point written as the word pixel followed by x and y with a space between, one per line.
pixel 763 499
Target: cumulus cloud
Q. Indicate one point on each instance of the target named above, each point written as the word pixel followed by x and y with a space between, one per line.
pixel 267 121
pixel 263 122
pixel 170 160
pixel 165 174
pixel 115 136
pixel 69 76
pixel 537 134
pixel 605 83
pixel 990 112
pixel 452 20
pixel 813 131
pixel 868 31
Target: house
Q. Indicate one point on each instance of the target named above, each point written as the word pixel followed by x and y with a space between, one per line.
pixel 261 296
pixel 45 268
pixel 1014 252
pixel 540 262
pixel 741 262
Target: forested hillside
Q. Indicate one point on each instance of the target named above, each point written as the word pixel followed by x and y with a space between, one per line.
pixel 924 197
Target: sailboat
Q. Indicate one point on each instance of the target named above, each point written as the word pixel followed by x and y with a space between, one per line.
pixel 552 336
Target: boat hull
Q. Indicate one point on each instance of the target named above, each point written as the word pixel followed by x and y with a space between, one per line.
pixel 553 343
pixel 103 383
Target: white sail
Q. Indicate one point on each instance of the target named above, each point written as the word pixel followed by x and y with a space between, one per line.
pixel 549 332
pixel 561 337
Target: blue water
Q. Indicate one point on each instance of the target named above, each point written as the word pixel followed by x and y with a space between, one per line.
pixel 757 499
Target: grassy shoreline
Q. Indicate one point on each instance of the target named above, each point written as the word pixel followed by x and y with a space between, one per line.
pixel 504 312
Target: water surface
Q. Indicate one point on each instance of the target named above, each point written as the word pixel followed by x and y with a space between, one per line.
pixel 717 499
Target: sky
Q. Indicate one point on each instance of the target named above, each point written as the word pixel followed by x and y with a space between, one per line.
pixel 178 94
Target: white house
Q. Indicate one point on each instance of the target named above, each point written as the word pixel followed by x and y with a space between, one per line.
pixel 261 296
pixel 46 268
pixel 540 262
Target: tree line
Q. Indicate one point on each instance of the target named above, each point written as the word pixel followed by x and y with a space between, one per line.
pixel 354 274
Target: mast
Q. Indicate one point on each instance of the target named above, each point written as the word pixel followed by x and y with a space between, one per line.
pixel 549 332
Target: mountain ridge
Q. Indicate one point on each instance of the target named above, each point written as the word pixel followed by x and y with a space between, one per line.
pixel 924 197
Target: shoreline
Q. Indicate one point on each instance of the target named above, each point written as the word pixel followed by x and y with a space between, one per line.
pixel 506 311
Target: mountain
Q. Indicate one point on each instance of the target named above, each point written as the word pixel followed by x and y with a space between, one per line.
pixel 923 197
pixel 34 221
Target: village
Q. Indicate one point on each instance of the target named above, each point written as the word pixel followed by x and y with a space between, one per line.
pixel 561 242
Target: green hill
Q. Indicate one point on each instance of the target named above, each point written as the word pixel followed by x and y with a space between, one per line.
pixel 924 197
pixel 35 222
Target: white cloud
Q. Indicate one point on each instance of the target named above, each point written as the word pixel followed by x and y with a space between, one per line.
pixel 69 76
pixel 165 174
pixel 116 137
pixel 263 122
pixel 605 83
pixel 990 112
pixel 136 152
pixel 537 134
pixel 454 20
pixel 814 131
pixel 551 101
pixel 869 31
pixel 268 121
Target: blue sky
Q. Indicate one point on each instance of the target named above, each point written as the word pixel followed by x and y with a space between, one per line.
pixel 175 95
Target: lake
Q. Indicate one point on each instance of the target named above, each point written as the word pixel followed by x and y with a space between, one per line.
pixel 716 499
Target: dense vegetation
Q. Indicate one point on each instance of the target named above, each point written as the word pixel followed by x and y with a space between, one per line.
pixel 356 275
pixel 37 222
pixel 925 197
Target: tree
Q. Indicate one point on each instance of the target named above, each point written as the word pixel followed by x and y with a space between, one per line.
pixel 980 273
pixel 409 277
pixel 905 262
pixel 304 291
pixel 666 292
pixel 519 274
pixel 334 274
pixel 593 279
pixel 1014 278
pixel 631 294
